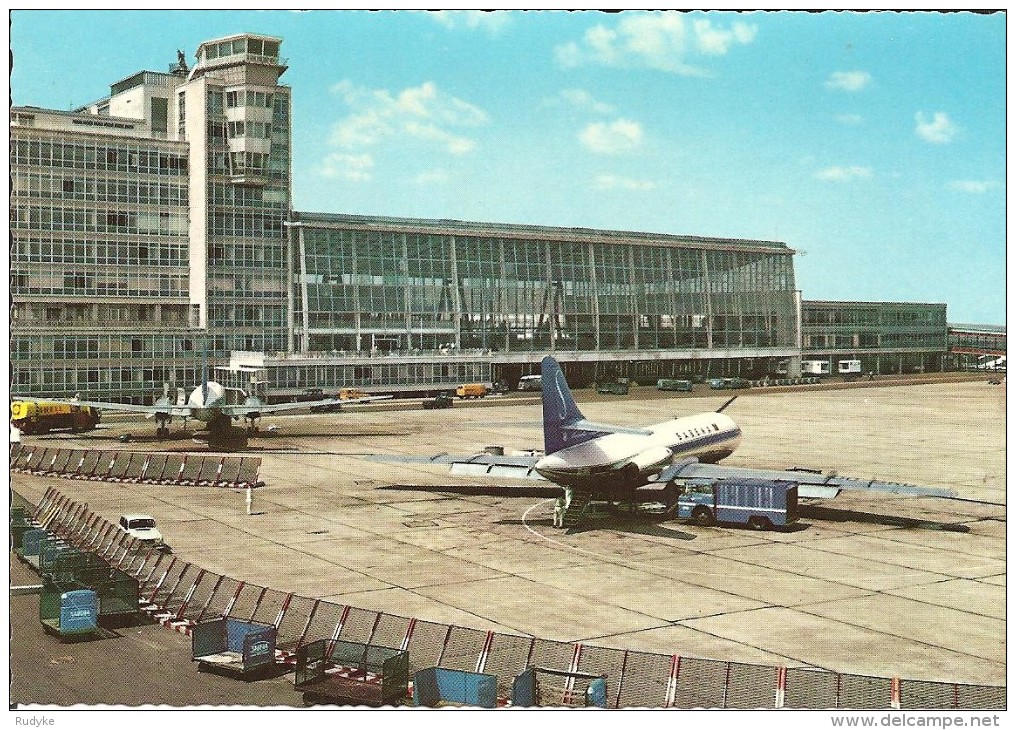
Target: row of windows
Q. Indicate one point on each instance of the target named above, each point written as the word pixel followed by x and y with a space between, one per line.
pixel 158 252
pixel 107 190
pixel 336 376
pixel 93 156
pixel 278 103
pixel 237 46
pixel 249 196
pixel 886 316
pixel 114 346
pixel 137 384
pixel 248 315
pixel 164 223
pixel 254 130
pixel 245 224
pixel 249 97
pixel 126 284
pixel 102 315
pixel 872 340
pixel 225 163
pixel 242 255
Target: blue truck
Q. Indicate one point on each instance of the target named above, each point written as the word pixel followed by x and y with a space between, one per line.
pixel 761 504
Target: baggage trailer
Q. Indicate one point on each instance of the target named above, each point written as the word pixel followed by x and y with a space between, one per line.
pixel 68 612
pixel 118 593
pixel 758 503
pixel 348 673
pixel 239 649
pixel 20 524
pixel 440 687
pixel 32 542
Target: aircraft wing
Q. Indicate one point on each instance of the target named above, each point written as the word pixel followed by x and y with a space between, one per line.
pixel 485 465
pixel 181 411
pixel 255 406
pixel 810 483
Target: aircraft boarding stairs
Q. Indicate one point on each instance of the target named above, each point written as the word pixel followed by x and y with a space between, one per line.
pixel 576 504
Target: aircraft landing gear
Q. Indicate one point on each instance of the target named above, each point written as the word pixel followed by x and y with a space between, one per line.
pixel 162 429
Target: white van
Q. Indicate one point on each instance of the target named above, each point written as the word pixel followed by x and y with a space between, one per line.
pixel 530 382
pixel 142 527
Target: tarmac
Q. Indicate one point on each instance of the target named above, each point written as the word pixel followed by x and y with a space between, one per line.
pixel 865 584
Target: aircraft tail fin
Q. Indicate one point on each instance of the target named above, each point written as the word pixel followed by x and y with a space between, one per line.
pixel 559 409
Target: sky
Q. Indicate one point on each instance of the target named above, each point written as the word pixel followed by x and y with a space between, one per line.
pixel 872 143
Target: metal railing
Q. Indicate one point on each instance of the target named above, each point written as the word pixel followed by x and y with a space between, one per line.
pixel 179 594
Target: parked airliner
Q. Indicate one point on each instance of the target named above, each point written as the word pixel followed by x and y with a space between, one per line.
pixel 597 461
pixel 218 406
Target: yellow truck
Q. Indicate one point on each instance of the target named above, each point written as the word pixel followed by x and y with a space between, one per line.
pixel 471 390
pixel 40 417
pixel 352 393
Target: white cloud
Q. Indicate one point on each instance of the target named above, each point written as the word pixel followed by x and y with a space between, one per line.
pixel 973 186
pixel 658 40
pixel 849 119
pixel 843 174
pixel 937 130
pixel 584 100
pixel 615 182
pixel 423 112
pixel 492 21
pixel 848 80
pixel 347 167
pixel 614 138
pixel 717 41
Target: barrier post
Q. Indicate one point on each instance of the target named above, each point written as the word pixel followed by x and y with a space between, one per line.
pixel 781 688
pixel 675 669
pixel 282 611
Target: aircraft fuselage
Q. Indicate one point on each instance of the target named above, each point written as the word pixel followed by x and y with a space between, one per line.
pixel 627 460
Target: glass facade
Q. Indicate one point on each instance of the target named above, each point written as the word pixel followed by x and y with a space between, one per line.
pixel 99 269
pixel 248 194
pixel 874 332
pixel 387 285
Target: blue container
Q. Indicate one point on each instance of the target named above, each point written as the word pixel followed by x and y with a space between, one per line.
pixel 79 612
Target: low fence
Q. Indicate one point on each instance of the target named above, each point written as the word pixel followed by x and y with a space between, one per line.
pixel 179 594
pixel 136 467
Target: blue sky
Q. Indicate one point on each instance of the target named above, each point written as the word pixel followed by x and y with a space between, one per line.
pixel 872 143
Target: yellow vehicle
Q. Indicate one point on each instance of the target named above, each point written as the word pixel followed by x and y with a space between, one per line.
pixel 352 394
pixel 40 417
pixel 471 390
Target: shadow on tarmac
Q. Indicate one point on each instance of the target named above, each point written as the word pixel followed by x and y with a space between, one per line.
pixel 832 514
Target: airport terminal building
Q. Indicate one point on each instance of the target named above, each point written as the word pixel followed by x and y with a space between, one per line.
pixel 157 223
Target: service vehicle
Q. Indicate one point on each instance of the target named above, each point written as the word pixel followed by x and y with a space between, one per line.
pixel 31 417
pixel 815 367
pixel 758 503
pixel 441 400
pixel 671 384
pixel 352 394
pixel 142 528
pixel 530 382
pixel 621 386
pixel 471 390
pixel 849 369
